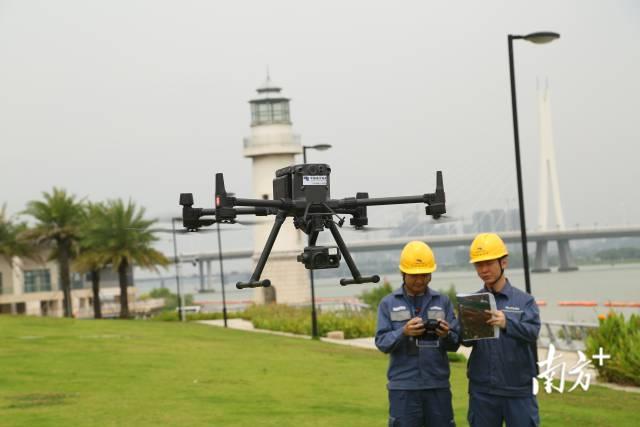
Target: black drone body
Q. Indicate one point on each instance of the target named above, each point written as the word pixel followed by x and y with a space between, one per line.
pixel 303 193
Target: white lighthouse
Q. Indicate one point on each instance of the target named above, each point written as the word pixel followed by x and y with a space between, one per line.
pixel 273 145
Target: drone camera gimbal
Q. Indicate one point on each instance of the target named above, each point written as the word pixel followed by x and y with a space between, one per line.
pixel 303 193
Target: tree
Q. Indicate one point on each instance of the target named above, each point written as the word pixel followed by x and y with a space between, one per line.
pixel 58 220
pixel 11 243
pixel 92 258
pixel 122 233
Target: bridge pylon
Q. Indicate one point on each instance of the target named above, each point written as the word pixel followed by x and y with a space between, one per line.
pixel 549 189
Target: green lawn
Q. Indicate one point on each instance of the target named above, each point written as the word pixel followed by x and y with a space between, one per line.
pixel 56 372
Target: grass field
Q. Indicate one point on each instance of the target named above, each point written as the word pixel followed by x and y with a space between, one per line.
pixel 58 372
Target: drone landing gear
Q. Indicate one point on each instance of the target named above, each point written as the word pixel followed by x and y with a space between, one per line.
pixel 357 278
pixel 255 281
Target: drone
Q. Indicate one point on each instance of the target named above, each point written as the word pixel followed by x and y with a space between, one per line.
pixel 303 193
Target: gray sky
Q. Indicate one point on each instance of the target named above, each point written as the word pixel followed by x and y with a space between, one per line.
pixel 147 99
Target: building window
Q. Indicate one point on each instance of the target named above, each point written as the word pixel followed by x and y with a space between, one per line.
pixel 264 113
pixel 37 280
pixel 77 281
pixel 270 112
pixel 278 115
pixel 5 289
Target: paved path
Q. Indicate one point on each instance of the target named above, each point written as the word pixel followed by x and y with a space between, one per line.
pixel 568 357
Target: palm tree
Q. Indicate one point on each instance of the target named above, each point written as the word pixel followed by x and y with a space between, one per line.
pixel 91 258
pixel 59 218
pixel 11 243
pixel 91 262
pixel 124 238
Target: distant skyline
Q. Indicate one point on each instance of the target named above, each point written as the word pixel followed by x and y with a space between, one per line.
pixel 147 99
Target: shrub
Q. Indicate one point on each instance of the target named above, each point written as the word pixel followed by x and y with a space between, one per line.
pixel 166 316
pixel 297 320
pixel 212 316
pixel 621 340
pixel 451 293
pixel 373 296
pixel 277 317
pixel 353 324
pixel 172 316
pixel 171 300
pixel 456 357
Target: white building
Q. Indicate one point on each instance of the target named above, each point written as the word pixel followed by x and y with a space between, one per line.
pixel 273 145
pixel 33 288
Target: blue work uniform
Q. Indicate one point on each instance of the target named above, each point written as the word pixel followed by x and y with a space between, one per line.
pixel 501 371
pixel 418 374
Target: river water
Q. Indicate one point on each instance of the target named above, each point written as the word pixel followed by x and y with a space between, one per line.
pixel 601 283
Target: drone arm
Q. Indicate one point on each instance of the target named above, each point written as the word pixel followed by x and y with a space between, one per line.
pixel 255 281
pixel 254 211
pixel 357 278
pixel 239 211
pixel 260 203
pixel 354 203
pixel 436 201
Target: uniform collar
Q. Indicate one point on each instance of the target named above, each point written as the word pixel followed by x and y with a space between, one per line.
pixel 399 292
pixel 429 294
pixel 507 290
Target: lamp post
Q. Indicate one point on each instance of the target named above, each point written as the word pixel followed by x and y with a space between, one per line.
pixel 314 317
pixel 319 147
pixel 175 257
pixel 538 38
pixel 224 298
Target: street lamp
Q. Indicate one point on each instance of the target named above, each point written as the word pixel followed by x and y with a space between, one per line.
pixel 314 317
pixel 319 147
pixel 538 38
pixel 175 255
pixel 224 298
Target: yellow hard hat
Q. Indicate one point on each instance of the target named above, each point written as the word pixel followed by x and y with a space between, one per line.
pixel 417 258
pixel 487 246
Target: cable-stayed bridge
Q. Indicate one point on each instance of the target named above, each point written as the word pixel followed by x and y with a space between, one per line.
pixel 541 238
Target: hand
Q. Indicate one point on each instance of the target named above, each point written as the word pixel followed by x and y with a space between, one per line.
pixel 443 329
pixel 414 327
pixel 497 318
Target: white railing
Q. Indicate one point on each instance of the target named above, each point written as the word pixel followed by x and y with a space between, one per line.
pixel 565 335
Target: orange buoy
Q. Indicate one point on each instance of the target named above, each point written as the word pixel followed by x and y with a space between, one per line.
pixel 621 304
pixel 577 303
pixel 541 303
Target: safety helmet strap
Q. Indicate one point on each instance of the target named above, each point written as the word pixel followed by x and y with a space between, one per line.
pixel 501 271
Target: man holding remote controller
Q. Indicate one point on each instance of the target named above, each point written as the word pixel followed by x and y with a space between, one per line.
pixel 416 326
